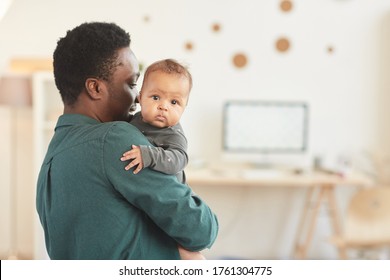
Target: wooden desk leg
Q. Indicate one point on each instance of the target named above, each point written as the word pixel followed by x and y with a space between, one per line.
pixel 302 223
pixel 312 223
pixel 326 192
pixel 301 249
pixel 334 214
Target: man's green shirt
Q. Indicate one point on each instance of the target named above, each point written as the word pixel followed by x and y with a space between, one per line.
pixel 90 207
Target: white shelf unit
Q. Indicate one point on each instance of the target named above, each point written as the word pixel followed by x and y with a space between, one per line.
pixel 47 107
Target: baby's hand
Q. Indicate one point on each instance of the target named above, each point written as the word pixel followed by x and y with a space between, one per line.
pixel 136 159
pixel 188 255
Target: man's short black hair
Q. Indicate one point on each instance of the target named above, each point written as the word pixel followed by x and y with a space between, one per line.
pixel 89 50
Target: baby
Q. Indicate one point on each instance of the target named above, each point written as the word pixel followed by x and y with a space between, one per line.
pixel 163 98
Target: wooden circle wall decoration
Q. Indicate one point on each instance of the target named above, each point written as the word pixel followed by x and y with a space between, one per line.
pixel 330 49
pixel 240 60
pixel 146 18
pixel 286 5
pixel 216 27
pixel 282 44
pixel 189 46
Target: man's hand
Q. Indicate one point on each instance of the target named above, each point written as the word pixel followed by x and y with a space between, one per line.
pixel 136 159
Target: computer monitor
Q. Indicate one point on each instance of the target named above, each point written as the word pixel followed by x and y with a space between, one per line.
pixel 263 131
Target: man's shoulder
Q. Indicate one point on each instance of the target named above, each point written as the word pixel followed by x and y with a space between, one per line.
pixel 122 132
pixel 120 127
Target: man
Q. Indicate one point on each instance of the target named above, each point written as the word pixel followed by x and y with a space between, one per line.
pixel 90 207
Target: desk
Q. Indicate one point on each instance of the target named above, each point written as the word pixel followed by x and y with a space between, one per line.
pixel 320 189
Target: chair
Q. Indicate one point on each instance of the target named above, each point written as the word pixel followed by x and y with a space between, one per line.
pixel 367 221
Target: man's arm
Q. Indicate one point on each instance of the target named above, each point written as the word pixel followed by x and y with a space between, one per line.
pixel 182 216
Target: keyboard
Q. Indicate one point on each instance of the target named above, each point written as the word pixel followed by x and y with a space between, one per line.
pixel 262 173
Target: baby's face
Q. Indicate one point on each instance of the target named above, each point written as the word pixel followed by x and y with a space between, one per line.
pixel 163 98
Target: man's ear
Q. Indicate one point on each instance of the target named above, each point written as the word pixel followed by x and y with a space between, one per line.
pixel 94 88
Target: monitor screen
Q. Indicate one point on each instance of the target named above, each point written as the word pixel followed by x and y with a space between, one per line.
pixel 265 127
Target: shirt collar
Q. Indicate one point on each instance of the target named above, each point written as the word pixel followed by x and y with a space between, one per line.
pixel 74 119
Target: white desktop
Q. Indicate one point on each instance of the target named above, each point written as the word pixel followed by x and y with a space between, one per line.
pixel 271 135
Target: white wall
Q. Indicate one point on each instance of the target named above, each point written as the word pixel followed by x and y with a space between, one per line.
pixel 347 90
pixel 16 161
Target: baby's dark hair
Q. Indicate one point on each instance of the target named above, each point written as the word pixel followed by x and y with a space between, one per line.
pixel 89 50
pixel 169 66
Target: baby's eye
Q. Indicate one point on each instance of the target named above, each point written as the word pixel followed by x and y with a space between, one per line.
pixel 155 97
pixel 174 102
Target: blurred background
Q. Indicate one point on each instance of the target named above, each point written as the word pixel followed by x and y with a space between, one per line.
pixel 333 55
